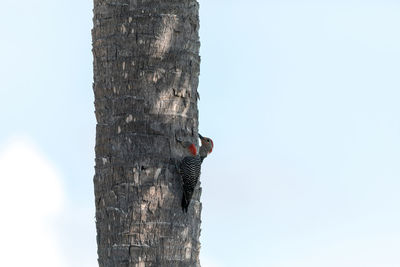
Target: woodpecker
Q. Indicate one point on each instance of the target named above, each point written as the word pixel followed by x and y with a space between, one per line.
pixel 190 168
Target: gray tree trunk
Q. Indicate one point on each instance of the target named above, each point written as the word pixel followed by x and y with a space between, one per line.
pixel 146 68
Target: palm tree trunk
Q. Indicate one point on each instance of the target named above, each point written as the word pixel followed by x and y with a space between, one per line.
pixel 146 68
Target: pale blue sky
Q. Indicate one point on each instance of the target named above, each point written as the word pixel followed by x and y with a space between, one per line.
pixel 300 97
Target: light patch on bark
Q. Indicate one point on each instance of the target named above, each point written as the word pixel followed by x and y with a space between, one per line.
pixel 153 206
pixel 157 173
pixel 141 263
pixel 188 250
pixel 159 73
pixel 129 118
pixel 130 19
pixel 118 210
pixel 119 129
pixel 170 107
pixel 135 176
pixel 164 38
pixel 123 29
pixel 104 160
pixel 186 83
pixel 143 214
pixel 186 109
pixel 178 74
pixel 185 233
pixel 152 191
pixel 123 65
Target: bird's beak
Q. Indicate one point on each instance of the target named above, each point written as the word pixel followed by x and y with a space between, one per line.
pixel 201 139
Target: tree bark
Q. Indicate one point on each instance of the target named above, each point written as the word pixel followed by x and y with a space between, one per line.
pixel 146 68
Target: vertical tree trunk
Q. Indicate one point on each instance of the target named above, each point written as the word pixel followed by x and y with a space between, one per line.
pixel 146 68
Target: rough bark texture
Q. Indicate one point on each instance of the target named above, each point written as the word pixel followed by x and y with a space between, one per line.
pixel 146 68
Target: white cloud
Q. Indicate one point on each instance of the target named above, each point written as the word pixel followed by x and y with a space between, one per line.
pixel 31 195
